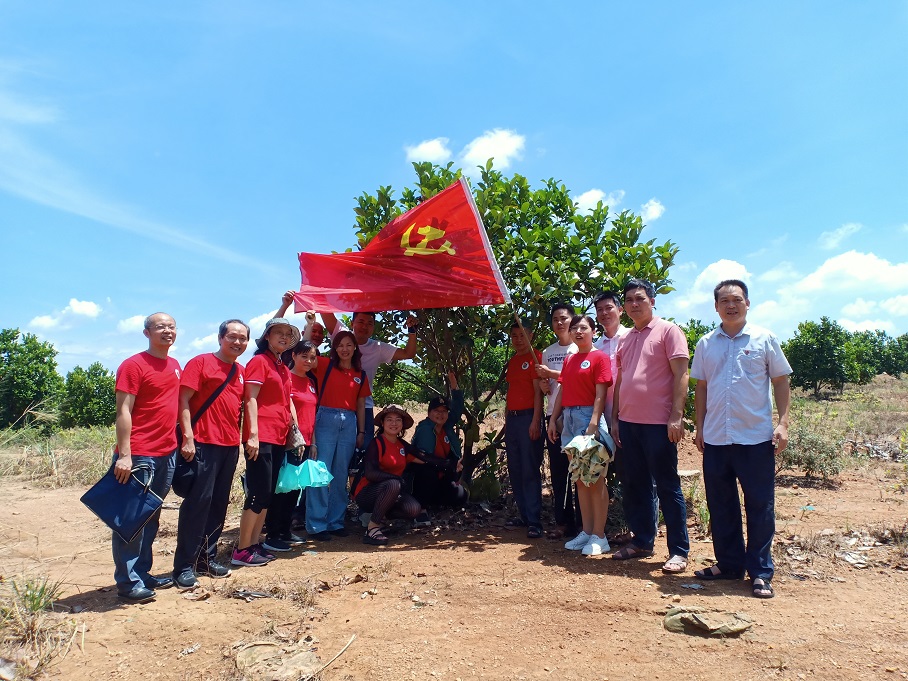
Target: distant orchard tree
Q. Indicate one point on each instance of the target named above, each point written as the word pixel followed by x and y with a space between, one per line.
pixel 89 398
pixel 864 353
pixel 818 356
pixel 29 383
pixel 895 356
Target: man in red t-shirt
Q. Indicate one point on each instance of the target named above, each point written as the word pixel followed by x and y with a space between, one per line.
pixel 211 442
pixel 523 420
pixel 147 387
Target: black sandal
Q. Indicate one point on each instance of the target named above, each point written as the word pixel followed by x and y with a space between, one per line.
pixel 375 537
pixel 762 588
pixel 535 532
pixel 713 572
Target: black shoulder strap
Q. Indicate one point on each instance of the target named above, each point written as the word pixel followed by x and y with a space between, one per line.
pixel 211 398
pixel 325 381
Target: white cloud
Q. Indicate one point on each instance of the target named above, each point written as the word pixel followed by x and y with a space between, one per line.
pixel 770 247
pixel 130 324
pixel 86 308
pixel 27 172
pixel 15 110
pixel 868 325
pixel 849 272
pixel 208 342
pixel 784 271
pixel 500 144
pixel 651 210
pixel 587 200
pixel 898 305
pixel 831 240
pixel 689 266
pixel 434 150
pixel 697 302
pixel 858 307
pixel 44 321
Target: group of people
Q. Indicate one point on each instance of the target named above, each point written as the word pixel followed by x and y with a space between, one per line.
pixel 625 391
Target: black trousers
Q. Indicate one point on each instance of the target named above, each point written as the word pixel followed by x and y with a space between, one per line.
pixel 203 511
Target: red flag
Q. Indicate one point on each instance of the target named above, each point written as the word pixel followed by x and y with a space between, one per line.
pixel 435 255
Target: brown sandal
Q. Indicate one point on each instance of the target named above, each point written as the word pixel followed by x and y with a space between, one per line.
pixel 631 551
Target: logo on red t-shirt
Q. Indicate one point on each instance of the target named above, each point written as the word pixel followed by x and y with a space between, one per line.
pixel 357 379
pixel 585 364
pixel 177 372
pixel 525 366
pixel 311 388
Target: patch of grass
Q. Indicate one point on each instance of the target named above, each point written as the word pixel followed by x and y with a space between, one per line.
pixel 32 635
pixel 76 456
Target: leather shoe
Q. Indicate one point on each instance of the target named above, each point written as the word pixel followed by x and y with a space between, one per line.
pixel 162 582
pixel 138 595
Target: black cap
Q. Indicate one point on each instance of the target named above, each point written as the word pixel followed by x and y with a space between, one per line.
pixel 437 402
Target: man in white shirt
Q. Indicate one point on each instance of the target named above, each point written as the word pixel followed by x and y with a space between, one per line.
pixel 608 314
pixel 736 366
pixel 567 511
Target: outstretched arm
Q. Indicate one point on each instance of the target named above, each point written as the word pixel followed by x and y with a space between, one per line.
pixel 286 300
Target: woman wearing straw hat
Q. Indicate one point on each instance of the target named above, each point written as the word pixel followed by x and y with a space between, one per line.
pixel 269 413
pixel 380 491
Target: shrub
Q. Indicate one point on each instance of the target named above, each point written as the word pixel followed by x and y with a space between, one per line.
pixel 813 447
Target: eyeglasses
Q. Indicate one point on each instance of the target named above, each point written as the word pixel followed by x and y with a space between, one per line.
pixel 236 339
pixel 164 327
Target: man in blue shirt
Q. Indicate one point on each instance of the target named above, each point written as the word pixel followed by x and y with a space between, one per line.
pixel 739 368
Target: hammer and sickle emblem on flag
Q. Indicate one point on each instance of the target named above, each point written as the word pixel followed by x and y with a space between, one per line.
pixel 422 248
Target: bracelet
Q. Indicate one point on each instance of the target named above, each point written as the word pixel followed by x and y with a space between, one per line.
pixel 360 432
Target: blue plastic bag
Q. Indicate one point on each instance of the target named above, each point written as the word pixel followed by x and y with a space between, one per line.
pixel 288 478
pixel 314 474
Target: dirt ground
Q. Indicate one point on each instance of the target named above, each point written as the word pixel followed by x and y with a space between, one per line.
pixel 475 600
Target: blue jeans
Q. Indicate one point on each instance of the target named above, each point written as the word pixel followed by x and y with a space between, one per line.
pixel 524 466
pixel 754 467
pixel 132 561
pixel 335 439
pixel 650 457
pixel 576 421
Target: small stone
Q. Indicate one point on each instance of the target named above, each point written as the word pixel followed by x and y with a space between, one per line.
pixel 676 598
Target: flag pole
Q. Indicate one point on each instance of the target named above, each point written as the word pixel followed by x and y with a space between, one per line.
pixel 526 335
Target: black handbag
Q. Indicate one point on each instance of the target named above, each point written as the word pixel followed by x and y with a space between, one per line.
pixel 124 508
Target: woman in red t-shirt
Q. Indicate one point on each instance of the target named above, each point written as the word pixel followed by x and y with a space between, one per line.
pixel 339 428
pixel 269 413
pixel 585 378
pixel 302 360
pixel 379 492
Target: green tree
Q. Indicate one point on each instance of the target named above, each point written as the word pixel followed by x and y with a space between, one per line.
pixel 693 330
pixel 89 398
pixel 29 383
pixel 864 355
pixel 547 250
pixel 817 354
pixel 895 356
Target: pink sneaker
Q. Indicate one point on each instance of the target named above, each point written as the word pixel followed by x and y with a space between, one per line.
pixel 248 557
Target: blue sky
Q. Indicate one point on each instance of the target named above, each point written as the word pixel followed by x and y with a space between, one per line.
pixel 175 156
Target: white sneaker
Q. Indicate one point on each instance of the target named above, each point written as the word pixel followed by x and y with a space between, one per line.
pixel 577 542
pixel 596 546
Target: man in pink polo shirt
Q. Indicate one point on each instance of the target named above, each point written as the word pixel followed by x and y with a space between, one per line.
pixel 648 406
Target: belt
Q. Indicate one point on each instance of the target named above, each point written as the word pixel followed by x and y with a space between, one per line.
pixel 518 412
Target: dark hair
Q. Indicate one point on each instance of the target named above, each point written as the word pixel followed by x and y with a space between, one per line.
pixel 561 306
pixel 371 314
pixel 577 318
pixel 301 347
pixel 356 360
pixel 222 329
pixel 607 295
pixel 640 283
pixel 730 282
